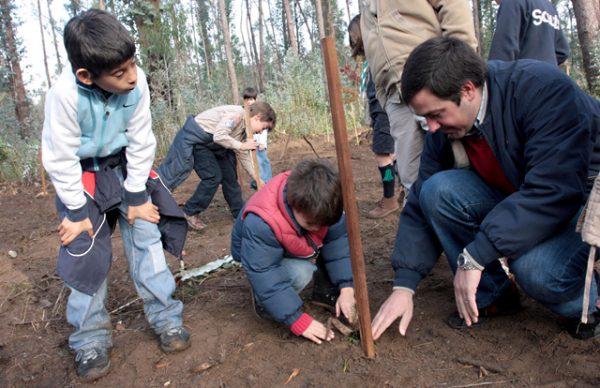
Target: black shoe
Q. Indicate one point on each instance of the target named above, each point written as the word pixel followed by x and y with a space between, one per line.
pixel 585 331
pixel 259 310
pixel 324 293
pixel 175 340
pixel 508 303
pixel 92 363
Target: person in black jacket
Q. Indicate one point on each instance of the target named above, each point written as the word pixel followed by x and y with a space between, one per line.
pixel 503 175
pixel 528 29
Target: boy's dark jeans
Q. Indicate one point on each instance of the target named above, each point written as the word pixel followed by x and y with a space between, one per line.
pixel 215 166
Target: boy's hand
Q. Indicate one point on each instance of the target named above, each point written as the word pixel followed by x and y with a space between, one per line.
pixel 147 211
pixel 262 147
pixel 69 230
pixel 346 304
pixel 248 145
pixel 317 332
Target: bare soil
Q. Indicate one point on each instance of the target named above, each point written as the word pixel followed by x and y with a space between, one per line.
pixel 233 348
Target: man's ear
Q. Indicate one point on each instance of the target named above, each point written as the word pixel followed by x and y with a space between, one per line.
pixel 469 90
pixel 84 76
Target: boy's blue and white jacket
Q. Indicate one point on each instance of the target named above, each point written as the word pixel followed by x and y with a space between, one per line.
pixel 81 122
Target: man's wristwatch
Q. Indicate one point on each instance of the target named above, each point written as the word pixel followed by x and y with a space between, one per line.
pixel 466 262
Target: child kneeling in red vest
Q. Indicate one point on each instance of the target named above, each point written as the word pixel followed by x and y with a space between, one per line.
pixel 290 229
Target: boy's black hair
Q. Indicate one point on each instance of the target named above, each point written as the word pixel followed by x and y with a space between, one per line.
pixel 249 92
pixel 95 40
pixel 265 111
pixel 442 66
pixel 357 47
pixel 314 189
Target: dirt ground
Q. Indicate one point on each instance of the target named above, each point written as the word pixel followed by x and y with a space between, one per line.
pixel 233 348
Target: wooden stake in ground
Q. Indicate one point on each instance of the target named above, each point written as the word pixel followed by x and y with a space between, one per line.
pixel 345 167
pixel 250 136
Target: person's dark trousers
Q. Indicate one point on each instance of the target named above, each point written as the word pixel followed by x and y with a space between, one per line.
pixel 215 166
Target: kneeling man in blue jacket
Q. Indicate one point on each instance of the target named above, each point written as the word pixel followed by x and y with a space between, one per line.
pixel 504 173
pixel 291 229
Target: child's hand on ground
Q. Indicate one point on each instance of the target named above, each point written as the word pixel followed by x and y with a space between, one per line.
pixel 317 332
pixel 148 211
pixel 346 304
pixel 69 230
pixel 248 145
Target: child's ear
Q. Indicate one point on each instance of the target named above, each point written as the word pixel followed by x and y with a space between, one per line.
pixel 84 76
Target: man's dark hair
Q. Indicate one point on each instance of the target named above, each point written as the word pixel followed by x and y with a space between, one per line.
pixel 442 66
pixel 314 189
pixel 97 41
pixel 265 111
pixel 355 38
pixel 249 92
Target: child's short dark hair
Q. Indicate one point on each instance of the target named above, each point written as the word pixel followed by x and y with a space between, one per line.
pixel 249 92
pixel 95 40
pixel 314 189
pixel 265 111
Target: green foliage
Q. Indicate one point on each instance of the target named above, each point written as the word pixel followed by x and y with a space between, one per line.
pixel 299 98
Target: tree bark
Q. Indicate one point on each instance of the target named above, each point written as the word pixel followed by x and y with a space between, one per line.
pixel 320 21
pixel 587 15
pixel 228 51
pixel 291 26
pixel 476 24
pixel 15 74
pixel 206 45
pixel 261 49
pixel 44 45
pixel 54 39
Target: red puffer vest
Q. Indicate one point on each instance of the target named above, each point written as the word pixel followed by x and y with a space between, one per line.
pixel 268 204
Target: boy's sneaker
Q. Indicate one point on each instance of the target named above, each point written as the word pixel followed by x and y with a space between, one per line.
pixel 175 340
pixel 508 303
pixel 585 331
pixel 92 363
pixel 195 222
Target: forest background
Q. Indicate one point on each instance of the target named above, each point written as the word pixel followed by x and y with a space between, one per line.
pixel 200 53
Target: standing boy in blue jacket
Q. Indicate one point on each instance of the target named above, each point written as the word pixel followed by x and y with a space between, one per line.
pixel 97 143
pixel 288 229
pixel 504 174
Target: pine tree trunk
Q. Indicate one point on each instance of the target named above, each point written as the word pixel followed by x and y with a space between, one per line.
pixel 15 75
pixel 253 49
pixel 310 33
pixel 291 27
pixel 274 37
pixel 54 39
pixel 261 49
pixel 44 45
pixel 228 51
pixel 587 15
pixel 476 24
pixel 206 45
pixel 320 21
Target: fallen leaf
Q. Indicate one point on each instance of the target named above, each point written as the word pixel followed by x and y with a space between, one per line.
pixel 167 384
pixel 483 372
pixel 294 373
pixel 202 367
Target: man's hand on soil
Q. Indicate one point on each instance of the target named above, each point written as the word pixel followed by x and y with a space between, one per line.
pixel 69 230
pixel 398 305
pixel 147 211
pixel 346 304
pixel 317 332
pixel 465 288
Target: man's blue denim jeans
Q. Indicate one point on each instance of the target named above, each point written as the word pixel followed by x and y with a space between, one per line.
pixel 153 281
pixel 455 202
